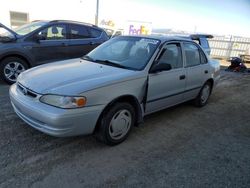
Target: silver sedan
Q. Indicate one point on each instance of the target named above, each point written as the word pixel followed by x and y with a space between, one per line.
pixel 112 88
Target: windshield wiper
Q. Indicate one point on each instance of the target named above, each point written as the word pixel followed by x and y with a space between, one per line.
pixel 111 63
pixel 104 62
pixel 86 57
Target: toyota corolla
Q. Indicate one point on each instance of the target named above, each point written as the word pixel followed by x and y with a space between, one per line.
pixel 112 88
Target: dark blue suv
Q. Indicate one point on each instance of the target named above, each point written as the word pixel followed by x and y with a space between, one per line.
pixel 45 41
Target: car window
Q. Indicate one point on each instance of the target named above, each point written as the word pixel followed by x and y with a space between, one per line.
pixel 55 32
pixel 78 32
pixel 203 58
pixel 192 54
pixel 95 33
pixel 204 43
pixel 171 54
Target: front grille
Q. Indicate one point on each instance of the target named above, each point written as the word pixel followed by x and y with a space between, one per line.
pixel 25 91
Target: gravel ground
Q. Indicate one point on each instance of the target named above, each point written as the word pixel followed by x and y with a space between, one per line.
pixel 180 147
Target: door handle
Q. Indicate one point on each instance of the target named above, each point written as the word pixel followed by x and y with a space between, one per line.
pixel 91 43
pixel 182 77
pixel 206 71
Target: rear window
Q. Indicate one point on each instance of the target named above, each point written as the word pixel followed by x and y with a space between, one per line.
pixel 94 33
pixel 78 32
pixel 192 54
pixel 204 43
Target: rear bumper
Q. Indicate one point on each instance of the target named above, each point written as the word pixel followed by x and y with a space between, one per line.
pixel 216 80
pixel 51 120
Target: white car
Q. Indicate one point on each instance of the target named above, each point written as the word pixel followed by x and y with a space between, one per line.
pixel 111 89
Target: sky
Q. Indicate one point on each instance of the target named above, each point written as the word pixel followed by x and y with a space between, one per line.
pixel 221 17
pixel 224 17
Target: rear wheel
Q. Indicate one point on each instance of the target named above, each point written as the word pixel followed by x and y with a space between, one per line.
pixel 11 67
pixel 202 98
pixel 116 123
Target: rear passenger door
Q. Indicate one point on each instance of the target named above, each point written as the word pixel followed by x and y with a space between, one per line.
pixel 83 39
pixel 196 68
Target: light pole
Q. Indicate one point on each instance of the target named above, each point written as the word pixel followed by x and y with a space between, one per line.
pixel 97 12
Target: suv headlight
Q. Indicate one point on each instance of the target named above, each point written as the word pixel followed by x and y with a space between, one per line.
pixel 66 102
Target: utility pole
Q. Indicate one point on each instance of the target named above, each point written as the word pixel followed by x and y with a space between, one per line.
pixel 97 13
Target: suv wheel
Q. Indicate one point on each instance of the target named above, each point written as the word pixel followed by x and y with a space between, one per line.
pixel 116 124
pixel 11 67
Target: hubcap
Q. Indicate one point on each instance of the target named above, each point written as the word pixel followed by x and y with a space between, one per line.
pixel 205 93
pixel 120 124
pixel 12 70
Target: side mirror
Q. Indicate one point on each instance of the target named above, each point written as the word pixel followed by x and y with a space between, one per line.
pixel 38 37
pixel 158 67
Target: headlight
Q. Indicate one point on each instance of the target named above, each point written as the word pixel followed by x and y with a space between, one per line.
pixel 64 101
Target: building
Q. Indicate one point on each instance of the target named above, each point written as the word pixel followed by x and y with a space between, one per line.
pixel 14 13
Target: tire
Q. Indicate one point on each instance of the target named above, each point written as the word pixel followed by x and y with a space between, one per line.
pixel 11 67
pixel 121 116
pixel 203 96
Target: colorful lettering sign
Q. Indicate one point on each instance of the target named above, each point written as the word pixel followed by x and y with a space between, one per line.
pixel 142 30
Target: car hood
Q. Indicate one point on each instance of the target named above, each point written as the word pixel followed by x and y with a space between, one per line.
pixel 72 77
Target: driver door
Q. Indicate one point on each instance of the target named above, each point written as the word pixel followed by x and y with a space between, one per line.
pixel 166 88
pixel 54 47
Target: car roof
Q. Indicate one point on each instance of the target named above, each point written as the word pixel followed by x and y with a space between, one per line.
pixel 162 38
pixel 69 21
pixel 75 22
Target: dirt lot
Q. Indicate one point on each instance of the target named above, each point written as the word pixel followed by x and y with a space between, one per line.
pixel 180 147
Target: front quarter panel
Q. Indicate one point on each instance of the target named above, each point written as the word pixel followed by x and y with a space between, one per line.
pixel 135 87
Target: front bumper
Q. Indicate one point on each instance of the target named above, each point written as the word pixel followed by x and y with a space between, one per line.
pixel 51 120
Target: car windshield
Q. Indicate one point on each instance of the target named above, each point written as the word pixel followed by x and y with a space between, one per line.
pixel 27 28
pixel 125 52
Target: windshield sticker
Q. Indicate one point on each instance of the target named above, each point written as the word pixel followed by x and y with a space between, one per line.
pixel 151 41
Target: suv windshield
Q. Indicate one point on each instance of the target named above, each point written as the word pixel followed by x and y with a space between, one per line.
pixel 27 28
pixel 125 52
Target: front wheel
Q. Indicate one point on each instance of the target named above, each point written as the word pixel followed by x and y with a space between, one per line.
pixel 116 123
pixel 11 67
pixel 203 96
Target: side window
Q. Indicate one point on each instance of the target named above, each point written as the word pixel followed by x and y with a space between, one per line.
pixel 192 54
pixel 55 32
pixel 203 58
pixel 78 32
pixel 94 33
pixel 171 54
